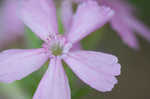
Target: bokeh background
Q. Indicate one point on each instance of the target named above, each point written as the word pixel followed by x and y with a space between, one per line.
pixel 134 81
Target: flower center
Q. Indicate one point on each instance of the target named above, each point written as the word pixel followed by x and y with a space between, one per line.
pixel 57 46
pixel 56 49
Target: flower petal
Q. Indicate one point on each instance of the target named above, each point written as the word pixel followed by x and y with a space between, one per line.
pixel 16 64
pixel 9 25
pixel 66 14
pixel 54 84
pixel 139 27
pixel 77 46
pixel 96 69
pixel 125 32
pixel 89 17
pixel 129 23
pixel 40 17
pixel 121 7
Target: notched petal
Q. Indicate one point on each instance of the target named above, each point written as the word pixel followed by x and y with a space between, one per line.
pixel 89 17
pixel 96 69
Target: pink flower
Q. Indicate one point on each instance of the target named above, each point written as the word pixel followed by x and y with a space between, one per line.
pixel 125 23
pixel 11 26
pixel 96 69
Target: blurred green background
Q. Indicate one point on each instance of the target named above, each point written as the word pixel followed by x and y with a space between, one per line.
pixel 134 81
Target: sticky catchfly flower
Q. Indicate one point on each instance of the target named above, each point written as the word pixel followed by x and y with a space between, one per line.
pixel 96 69
pixel 125 23
pixel 11 27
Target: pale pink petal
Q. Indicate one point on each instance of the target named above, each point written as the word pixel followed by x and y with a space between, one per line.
pixel 66 14
pixel 40 16
pixel 120 6
pixel 54 84
pixel 96 69
pixel 125 32
pixel 139 27
pixel 80 1
pixel 125 23
pixel 76 46
pixel 9 25
pixel 16 64
pixel 89 17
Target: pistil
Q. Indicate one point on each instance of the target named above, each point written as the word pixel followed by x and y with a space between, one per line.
pixel 56 49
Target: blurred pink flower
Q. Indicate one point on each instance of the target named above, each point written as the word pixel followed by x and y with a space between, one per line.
pixel 94 68
pixel 125 23
pixel 10 26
